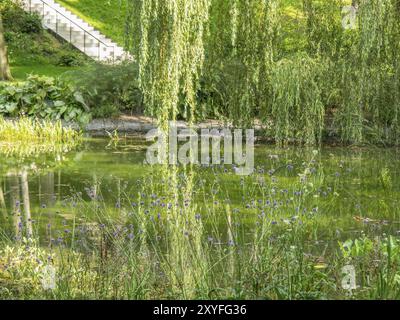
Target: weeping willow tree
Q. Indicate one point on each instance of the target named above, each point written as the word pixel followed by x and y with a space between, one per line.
pixel 370 76
pixel 295 110
pixel 239 56
pixel 166 37
pixel 323 27
pixel 172 41
pixel 225 59
pixel 360 84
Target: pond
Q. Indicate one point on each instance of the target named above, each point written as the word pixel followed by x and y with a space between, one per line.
pixel 102 199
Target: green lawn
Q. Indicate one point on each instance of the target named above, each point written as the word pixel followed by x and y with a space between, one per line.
pixel 107 16
pixel 21 72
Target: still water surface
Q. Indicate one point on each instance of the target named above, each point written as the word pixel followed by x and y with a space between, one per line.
pixel 346 191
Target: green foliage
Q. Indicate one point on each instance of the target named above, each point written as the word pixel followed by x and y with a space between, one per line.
pixel 25 267
pixel 30 45
pixel 167 39
pixel 44 136
pixel 297 111
pixel 15 19
pixel 44 97
pixel 289 64
pixel 323 28
pixel 379 263
pixel 363 70
pixel 36 131
pixel 386 178
pixel 110 89
pixel 244 68
pixel 239 57
pixel 357 248
pixel 67 57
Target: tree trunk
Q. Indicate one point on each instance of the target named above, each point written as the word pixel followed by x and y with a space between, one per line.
pixel 5 73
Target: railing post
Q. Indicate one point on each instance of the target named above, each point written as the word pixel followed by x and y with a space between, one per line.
pixel 84 41
pixel 56 22
pixel 30 6
pixel 43 12
pixel 70 32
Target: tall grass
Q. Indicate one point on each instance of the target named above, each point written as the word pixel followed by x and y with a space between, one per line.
pixel 36 131
pixel 26 136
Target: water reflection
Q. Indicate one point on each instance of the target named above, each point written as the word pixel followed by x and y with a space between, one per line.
pixel 18 212
pixel 342 184
pixel 187 230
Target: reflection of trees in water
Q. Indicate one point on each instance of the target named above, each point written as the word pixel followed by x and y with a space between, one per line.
pixel 19 202
pixel 46 189
pixel 15 201
pixel 3 207
pixel 26 202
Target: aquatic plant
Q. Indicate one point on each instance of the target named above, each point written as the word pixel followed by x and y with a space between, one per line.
pixel 26 129
pixel 25 137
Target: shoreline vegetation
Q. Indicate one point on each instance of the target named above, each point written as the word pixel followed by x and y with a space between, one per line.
pixel 24 137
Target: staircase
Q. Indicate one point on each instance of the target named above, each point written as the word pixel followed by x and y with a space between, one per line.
pixel 76 31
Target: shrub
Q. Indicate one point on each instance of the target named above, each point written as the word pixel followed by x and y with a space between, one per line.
pixel 69 57
pixel 105 111
pixel 108 89
pixel 17 20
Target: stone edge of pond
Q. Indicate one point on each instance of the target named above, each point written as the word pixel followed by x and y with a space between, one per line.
pixel 139 126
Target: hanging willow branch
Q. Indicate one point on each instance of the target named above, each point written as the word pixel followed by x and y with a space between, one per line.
pixel 166 37
pixel 371 106
pixel 239 55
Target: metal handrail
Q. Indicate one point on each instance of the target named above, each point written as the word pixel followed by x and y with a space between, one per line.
pixel 70 28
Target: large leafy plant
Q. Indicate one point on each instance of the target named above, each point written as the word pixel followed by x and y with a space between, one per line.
pixel 44 97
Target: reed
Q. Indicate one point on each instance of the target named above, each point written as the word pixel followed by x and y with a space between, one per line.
pixel 26 136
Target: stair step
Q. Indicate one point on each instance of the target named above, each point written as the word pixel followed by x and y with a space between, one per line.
pixel 75 30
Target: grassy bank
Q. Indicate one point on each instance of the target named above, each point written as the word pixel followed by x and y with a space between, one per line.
pixel 32 49
pixel 106 16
